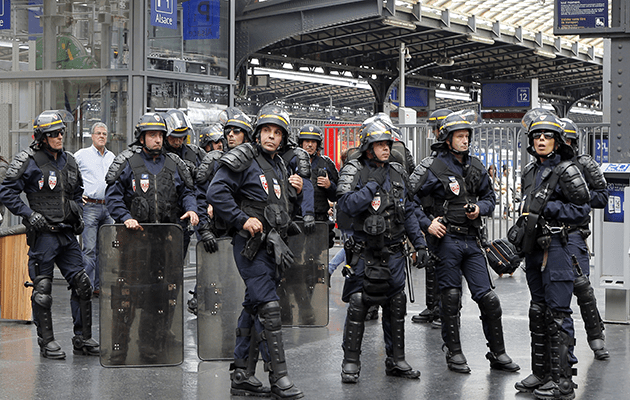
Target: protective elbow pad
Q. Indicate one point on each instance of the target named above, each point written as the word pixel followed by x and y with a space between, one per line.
pixel 573 185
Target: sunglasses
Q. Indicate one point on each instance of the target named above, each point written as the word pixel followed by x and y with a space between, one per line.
pixel 54 134
pixel 547 135
pixel 230 129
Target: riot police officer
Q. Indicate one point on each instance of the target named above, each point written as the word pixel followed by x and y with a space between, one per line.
pixel 211 138
pixel 372 191
pixel 462 193
pixel 144 172
pixel 324 175
pixel 237 127
pixel 51 180
pixel 251 191
pixel 145 184
pixel 432 293
pixel 582 287
pixel 556 202
pixel 179 128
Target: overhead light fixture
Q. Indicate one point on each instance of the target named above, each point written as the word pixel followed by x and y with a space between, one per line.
pixel 445 61
pixel 479 39
pixel 544 53
pixel 399 23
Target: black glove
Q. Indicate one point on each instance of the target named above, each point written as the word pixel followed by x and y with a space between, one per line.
pixel 378 175
pixel 309 224
pixel 283 256
pixel 37 221
pixel 208 240
pixel 422 257
pixel 79 226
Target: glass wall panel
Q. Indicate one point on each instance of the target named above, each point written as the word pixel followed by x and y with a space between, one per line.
pixel 89 100
pixel 198 45
pixel 202 102
pixel 52 35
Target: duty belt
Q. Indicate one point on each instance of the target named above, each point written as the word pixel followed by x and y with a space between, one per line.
pixel 461 230
pixel 395 248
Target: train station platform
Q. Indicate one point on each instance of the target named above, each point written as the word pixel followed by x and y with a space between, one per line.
pixel 314 358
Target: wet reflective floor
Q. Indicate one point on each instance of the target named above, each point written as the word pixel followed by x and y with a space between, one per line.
pixel 314 358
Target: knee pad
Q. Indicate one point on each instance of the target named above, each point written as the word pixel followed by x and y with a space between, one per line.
pixel 537 317
pixel 357 307
pixel 42 288
pixel 270 316
pixel 490 305
pixel 82 285
pixel 451 301
pixel 583 290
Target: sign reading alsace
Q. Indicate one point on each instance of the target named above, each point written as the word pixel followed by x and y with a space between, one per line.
pixel 164 13
pixel 581 14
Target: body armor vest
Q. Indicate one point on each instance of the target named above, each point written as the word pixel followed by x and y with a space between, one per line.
pixel 388 204
pixel 56 189
pixel 458 190
pixel 277 196
pixel 155 198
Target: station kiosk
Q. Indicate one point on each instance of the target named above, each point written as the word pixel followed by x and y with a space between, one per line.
pixel 611 244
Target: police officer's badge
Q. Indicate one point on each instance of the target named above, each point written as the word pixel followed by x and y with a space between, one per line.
pixel 453 185
pixel 52 180
pixel 133 185
pixel 40 183
pixel 144 182
pixel 263 182
pixel 276 188
pixel 376 202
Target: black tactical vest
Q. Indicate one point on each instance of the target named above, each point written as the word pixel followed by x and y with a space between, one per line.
pixel 458 190
pixel 277 189
pixel 56 189
pixel 155 198
pixel 388 204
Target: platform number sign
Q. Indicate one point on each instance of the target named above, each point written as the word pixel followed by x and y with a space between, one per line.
pixel 522 95
pixel 164 13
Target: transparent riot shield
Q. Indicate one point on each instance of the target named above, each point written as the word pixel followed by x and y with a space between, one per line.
pixel 141 300
pixel 303 290
pixel 220 291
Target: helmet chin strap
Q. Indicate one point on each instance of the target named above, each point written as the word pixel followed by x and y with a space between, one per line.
pixel 152 152
pixel 50 149
pixel 548 156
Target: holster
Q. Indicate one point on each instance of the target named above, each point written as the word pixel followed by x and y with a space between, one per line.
pixel 253 245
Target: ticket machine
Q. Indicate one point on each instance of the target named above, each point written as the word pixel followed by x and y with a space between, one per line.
pixel 611 244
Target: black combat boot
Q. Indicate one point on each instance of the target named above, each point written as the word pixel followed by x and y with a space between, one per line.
pixel 561 386
pixel 42 302
pixel 244 381
pixel 394 328
pixel 352 338
pixel 491 313
pixel 451 304
pixel 540 350
pixel 281 385
pixel 432 312
pixel 590 314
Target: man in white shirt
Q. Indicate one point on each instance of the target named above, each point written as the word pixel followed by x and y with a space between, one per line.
pixel 93 162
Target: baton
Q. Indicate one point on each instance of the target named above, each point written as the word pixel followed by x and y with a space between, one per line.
pixel 412 296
